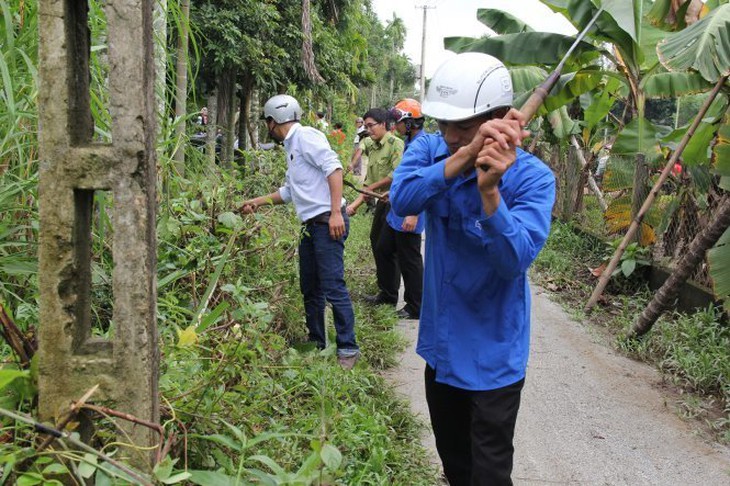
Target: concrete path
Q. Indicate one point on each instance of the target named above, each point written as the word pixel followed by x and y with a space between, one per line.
pixel 588 416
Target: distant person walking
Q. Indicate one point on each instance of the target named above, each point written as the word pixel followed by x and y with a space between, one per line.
pixel 314 184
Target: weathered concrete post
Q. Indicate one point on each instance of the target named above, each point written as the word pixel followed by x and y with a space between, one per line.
pixel 73 168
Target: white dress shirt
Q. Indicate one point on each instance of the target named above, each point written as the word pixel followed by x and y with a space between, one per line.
pixel 310 160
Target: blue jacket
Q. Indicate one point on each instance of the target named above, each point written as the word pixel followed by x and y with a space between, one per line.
pixel 395 221
pixel 475 316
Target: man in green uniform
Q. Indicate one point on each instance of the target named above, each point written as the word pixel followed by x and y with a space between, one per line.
pixel 384 151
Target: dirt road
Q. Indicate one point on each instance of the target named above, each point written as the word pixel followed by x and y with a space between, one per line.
pixel 588 416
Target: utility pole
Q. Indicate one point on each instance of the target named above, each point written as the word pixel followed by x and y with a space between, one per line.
pixel 425 8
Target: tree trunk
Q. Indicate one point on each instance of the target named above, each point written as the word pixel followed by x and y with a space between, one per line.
pixel 230 130
pixel 254 119
pixel 571 177
pixel 664 297
pixel 181 84
pixel 211 130
pixel 640 189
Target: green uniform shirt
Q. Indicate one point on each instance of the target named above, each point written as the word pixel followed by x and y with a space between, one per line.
pixel 383 156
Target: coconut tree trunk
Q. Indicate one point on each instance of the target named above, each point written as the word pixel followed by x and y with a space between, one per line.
pixel 664 297
pixel 181 84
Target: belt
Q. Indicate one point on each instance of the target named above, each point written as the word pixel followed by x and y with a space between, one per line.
pixel 323 218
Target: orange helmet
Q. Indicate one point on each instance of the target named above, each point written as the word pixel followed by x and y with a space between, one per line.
pixel 406 108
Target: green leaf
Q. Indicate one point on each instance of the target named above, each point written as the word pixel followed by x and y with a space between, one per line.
pixel 207 478
pixel 230 220
pixel 55 468
pixel 502 22
pixel 87 466
pixel 703 46
pixel 29 479
pixel 601 103
pixel 674 85
pixel 331 456
pixel 719 262
pixel 275 468
pixel 628 267
pixel 7 376
pixel 697 151
pixel 520 48
pixel 563 125
pixel 639 136
pixel 176 478
pixel 213 316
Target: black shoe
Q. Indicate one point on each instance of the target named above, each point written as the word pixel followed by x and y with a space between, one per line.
pixel 377 300
pixel 404 313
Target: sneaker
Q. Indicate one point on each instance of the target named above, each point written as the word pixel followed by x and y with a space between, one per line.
pixel 348 362
pixel 404 313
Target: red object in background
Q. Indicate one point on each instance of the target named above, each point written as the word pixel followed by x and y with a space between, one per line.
pixel 677 169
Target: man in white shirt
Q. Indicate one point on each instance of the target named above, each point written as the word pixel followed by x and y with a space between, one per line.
pixel 314 184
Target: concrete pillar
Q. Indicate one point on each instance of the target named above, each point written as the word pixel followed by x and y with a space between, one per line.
pixel 73 167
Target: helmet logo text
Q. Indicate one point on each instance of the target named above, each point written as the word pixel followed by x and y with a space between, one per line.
pixel 446 91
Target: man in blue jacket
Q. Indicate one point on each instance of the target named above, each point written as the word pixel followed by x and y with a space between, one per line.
pixel 488 206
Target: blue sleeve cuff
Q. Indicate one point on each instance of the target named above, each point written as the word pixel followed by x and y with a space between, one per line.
pixel 498 223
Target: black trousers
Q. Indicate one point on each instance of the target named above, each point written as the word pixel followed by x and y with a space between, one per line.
pixel 474 431
pixel 386 266
pixel 398 250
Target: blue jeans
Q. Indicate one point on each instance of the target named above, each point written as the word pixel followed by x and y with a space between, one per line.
pixel 322 279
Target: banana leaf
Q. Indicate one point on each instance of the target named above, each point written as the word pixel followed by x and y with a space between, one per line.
pixel 520 48
pixel 617 24
pixel 639 136
pixel 563 125
pixel 502 22
pixel 719 265
pixel 601 103
pixel 704 46
pixel 674 85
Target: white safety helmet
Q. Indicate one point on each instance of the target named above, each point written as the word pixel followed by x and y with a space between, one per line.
pixel 467 85
pixel 282 108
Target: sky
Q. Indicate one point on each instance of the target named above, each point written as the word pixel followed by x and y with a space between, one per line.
pixel 459 18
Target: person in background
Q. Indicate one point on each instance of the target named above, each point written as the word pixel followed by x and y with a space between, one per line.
pixel 400 239
pixel 356 161
pixel 337 135
pixel 321 122
pixel 487 205
pixel 203 116
pixel 384 151
pixel 314 184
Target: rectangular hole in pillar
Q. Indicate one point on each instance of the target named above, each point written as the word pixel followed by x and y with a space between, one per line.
pixel 99 69
pixel 93 237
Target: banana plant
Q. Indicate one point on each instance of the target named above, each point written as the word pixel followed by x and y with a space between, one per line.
pixel 702 47
pixel 625 36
